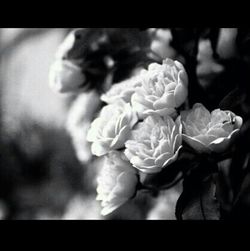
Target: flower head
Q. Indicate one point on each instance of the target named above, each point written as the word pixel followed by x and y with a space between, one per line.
pixel 112 128
pixel 163 89
pixel 209 132
pixel 154 144
pixel 65 76
pixel 116 183
pixel 123 90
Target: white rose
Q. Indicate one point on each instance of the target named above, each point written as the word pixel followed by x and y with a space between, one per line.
pixel 164 88
pixel 154 144
pixel 65 76
pixel 123 90
pixel 209 132
pixel 112 128
pixel 117 182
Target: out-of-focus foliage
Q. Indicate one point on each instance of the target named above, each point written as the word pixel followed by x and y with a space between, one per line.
pixel 40 175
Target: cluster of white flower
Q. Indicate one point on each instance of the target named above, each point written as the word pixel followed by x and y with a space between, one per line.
pixel 141 130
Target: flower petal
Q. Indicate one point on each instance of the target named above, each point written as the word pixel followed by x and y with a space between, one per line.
pixel 195 144
pixel 180 95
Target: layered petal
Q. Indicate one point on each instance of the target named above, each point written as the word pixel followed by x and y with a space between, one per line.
pixel 163 89
pixel 209 132
pixel 112 128
pixel 117 182
pixel 154 143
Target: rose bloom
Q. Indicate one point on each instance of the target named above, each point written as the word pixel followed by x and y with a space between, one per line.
pixel 65 76
pixel 154 144
pixel 123 90
pixel 164 88
pixel 117 182
pixel 112 128
pixel 209 132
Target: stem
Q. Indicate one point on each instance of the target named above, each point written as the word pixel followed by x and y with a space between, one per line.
pixel 202 208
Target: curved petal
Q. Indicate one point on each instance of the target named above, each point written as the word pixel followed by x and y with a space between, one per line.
pixel 238 122
pixel 98 149
pixel 109 208
pixel 163 112
pixel 125 185
pixel 195 144
pixel 119 140
pixel 180 94
pixel 162 159
pixel 172 159
pixel 222 144
pixel 150 170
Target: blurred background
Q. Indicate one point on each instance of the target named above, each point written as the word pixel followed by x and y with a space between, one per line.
pixel 40 175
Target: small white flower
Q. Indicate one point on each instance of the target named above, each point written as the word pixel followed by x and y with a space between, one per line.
pixel 154 144
pixel 116 183
pixel 209 132
pixel 65 76
pixel 123 90
pixel 112 128
pixel 164 88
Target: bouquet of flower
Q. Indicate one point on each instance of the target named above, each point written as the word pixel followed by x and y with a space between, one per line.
pixel 144 127
pixel 151 127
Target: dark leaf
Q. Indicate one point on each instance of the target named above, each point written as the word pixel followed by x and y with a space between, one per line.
pixel 170 175
pixel 232 100
pixel 243 42
pixel 198 202
pixel 241 208
pixel 240 159
pixel 224 192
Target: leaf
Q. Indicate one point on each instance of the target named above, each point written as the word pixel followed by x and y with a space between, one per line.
pixel 170 175
pixel 198 203
pixel 198 200
pixel 241 208
pixel 233 99
pixel 224 192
